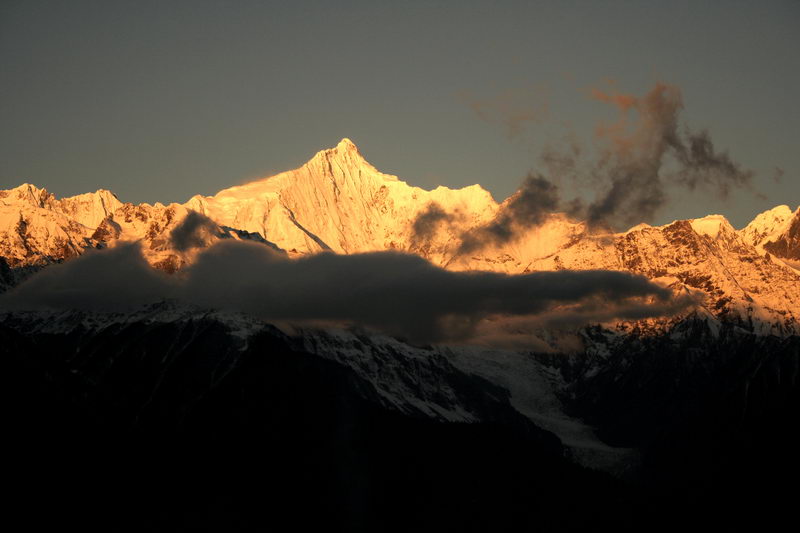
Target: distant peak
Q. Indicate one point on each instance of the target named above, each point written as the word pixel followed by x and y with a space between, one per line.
pixel 26 187
pixel 770 218
pixel 346 152
pixel 346 144
pixel 27 194
pixel 780 211
pixel 710 225
pixel 712 218
pixel 344 148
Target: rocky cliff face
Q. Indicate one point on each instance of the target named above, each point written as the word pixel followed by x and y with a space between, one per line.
pixel 37 229
pixel 787 244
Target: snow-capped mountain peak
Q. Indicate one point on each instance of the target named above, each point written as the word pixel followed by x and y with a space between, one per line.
pixel 712 226
pixel 337 201
pixel 345 148
pixel 768 225
pixel 25 194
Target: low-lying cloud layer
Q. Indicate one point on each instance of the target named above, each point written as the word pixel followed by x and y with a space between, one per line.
pixel 400 294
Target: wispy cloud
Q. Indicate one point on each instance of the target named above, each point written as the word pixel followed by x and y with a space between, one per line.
pixel 641 155
pixel 512 109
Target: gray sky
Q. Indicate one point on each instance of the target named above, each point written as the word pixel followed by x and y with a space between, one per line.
pixel 158 101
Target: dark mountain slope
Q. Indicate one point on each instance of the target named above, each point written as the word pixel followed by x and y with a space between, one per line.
pixel 173 426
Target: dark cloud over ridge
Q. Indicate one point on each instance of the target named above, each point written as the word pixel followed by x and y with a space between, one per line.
pixel 191 231
pixel 397 293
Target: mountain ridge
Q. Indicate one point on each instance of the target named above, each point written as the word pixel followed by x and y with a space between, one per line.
pixel 339 202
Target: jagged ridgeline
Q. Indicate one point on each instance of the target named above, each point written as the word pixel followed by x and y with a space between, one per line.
pixel 339 202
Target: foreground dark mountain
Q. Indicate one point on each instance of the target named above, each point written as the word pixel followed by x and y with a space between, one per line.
pixel 713 410
pixel 182 424
pixel 173 419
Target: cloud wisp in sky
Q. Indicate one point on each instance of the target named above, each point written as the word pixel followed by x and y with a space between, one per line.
pixel 639 158
pixel 642 156
pixel 397 293
pixel 513 109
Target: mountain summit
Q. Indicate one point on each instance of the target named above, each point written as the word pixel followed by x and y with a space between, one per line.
pixel 337 201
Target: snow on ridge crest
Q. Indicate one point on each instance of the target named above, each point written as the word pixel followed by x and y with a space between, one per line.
pixel 711 225
pixel 767 226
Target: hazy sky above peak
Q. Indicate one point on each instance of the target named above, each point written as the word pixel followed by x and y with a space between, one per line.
pixel 158 101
